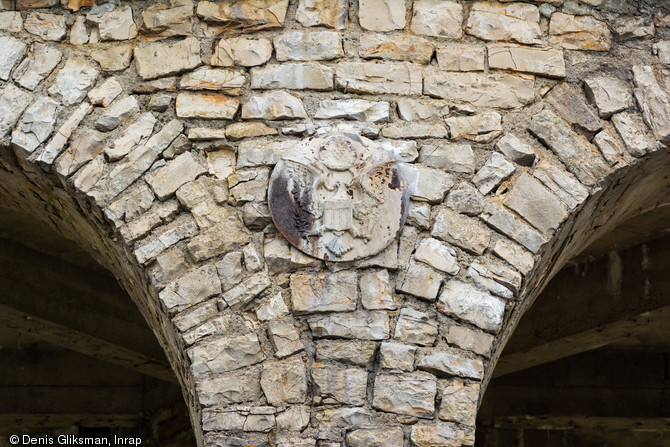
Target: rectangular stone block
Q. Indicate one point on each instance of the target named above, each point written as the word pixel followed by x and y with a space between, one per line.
pixel 379 78
pixel 362 325
pixel 324 292
pixel 408 394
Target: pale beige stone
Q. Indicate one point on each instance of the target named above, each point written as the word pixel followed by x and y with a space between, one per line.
pixel 117 24
pixel 482 128
pixel 306 46
pixel 273 106
pixel 113 59
pixel 11 21
pixel 245 15
pixel 47 26
pixel 376 290
pixel 296 75
pixel 329 13
pixel 408 394
pixel 162 59
pixel 241 51
pixel 166 180
pixel 73 81
pixel 207 106
pixel 437 18
pixel 461 58
pixel 339 386
pixel 169 18
pixel 542 61
pixel 39 64
pixel 379 78
pixel 238 131
pixel 221 80
pixel 324 292
pixel 381 15
pixel 517 22
pixel 398 48
pixel 579 33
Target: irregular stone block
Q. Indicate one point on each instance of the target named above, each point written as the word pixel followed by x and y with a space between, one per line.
pixel 222 354
pixel 376 437
pixel 114 58
pixel 491 175
pixel 167 19
pixel 381 15
pixel 440 433
pixel 464 232
pixel 284 338
pixel 416 327
pixel 105 93
pixel 542 61
pixel 397 356
pixel 634 133
pixel 246 16
pixel 609 94
pixel 464 301
pixel 578 33
pixel 220 238
pixel 162 59
pixel 35 126
pixel 654 102
pixel 324 292
pixel 11 21
pixel 339 386
pixel 192 288
pixel 426 184
pixel 295 76
pixel 411 109
pixel 206 105
pixel 561 183
pixel 517 149
pixel 273 106
pixel 493 21
pixel 421 281
pixel 117 24
pixel 435 129
pixel 361 324
pixel 376 290
pixel 515 255
pixel 242 51
pixel 358 353
pixel 285 382
pixel 232 388
pixel 437 18
pixel 341 417
pixel 505 222
pixel 397 48
pixel 308 46
pixel 457 157
pixel 117 113
pixel 166 180
pixel 482 128
pixel 47 26
pixel 83 149
pixel 434 253
pixel 223 81
pixel 468 339
pixel 408 394
pixel 243 294
pixel 328 13
pixel 446 362
pixel 73 82
pixel 465 199
pixel 461 58
pixel 39 64
pixel 570 105
pixel 354 109
pixel 379 78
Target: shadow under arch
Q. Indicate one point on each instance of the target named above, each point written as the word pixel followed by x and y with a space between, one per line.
pixel 41 194
pixel 629 191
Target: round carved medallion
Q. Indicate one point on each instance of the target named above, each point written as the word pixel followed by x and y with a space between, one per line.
pixel 338 197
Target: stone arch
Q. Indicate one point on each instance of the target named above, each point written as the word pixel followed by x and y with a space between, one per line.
pixel 273 347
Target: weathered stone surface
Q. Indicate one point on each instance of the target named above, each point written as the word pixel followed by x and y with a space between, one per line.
pixel 609 94
pixel 13 101
pixel 136 133
pixel 452 157
pixel 660 48
pixel 570 105
pixel 160 102
pixel 464 301
pixel 339 386
pixel 221 238
pixel 118 112
pixel 634 133
pixel 418 215
pixel 653 101
pixel 47 26
pixel 408 394
pixel 222 420
pixel 612 146
pixel 465 199
pixel 446 362
pixel 341 417
pixel 231 388
pixel 238 131
pixel 293 75
pixel 243 294
pixel 416 327
pixel 192 288
pixel 83 149
pixel 398 48
pixel 495 277
pixel 461 58
pixel 242 51
pixel 561 183
pixel 421 281
pixel 329 13
pixel 493 21
pixel 459 402
pixel 462 231
pixel 117 24
pixel 221 80
pixel 230 268
pixel 376 290
pixel 115 58
pixel 381 15
pixel 295 418
pixel 514 254
pixel 437 18
pixel 47 155
pixel 482 128
pixel 324 292
pixel 440 434
pixel 380 78
pixel 35 126
pixel 354 109
pixel 250 186
pixel 11 52
pixel 411 109
pixel 222 354
pixel 578 33
pixel 505 222
pixel 632 27
pixel 434 129
pixel 162 59
pixel 496 90
pixel 11 21
pixel 542 61
pixel 307 46
pixel 73 82
pixel 37 66
pixel 285 338
pixel 581 157
pixel 473 340
pixel 427 184
pixel 353 352
pixel 517 149
pixel 246 15
pixel 273 106
pixel 169 18
pixel 491 175
pixel 274 308
pixel 206 105
pixel 259 422
pixel 166 180
pixel 285 382
pixel 376 437
pixel 105 93
pixel 434 253
pixel 79 34
pixel 163 237
pixel 361 324
pixel 397 356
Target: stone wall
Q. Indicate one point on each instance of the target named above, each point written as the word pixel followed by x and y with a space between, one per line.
pixel 148 132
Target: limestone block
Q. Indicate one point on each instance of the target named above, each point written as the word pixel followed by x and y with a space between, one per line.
pixel 37 66
pixel 408 394
pixel 353 109
pixel 79 34
pixel 117 112
pixel 238 131
pixel 241 51
pixel 284 337
pixel 11 52
pixel 359 353
pixel 362 325
pixel 115 58
pixel 517 22
pixel 324 292
pixel 341 417
pixel 308 46
pixel 295 418
pixel 169 18
pixel 653 101
pixel 117 24
pixel 160 59
pixel 292 75
pixel 496 90
pixel 495 277
pixel 571 106
pixel 491 175
pixel 273 106
pixel 454 157
pixel 609 94
pixel 465 302
pixel 376 290
pixel 434 253
pixel 517 149
pixel 35 126
pixel 578 33
pixel 137 132
pixel 411 109
pixel 398 48
pixel 469 339
pixel 230 388
pixel 437 18
pixel 542 61
pixel 432 129
pixel 192 288
pixel 221 80
pixel 243 294
pixel 105 93
pixel 339 386
pixel 634 133
pixel 481 128
pixel 397 356
pixel 465 199
pixel 222 354
pixel 440 433
pixel 404 151
pixel 11 21
pixel 225 236
pixel 376 437
pixel 421 281
pixel 612 146
pixel 381 15
pixel 427 184
pixel 166 180
pixel 561 183
pixel 461 58
pixel 462 231
pixel 47 26
pixel 328 13
pixel 206 105
pixel 83 149
pixel 379 78
pixel 246 15
pixel 514 254
pixel 285 382
pixel 416 327
pixel 73 82
pixel 505 222
pixel 445 362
